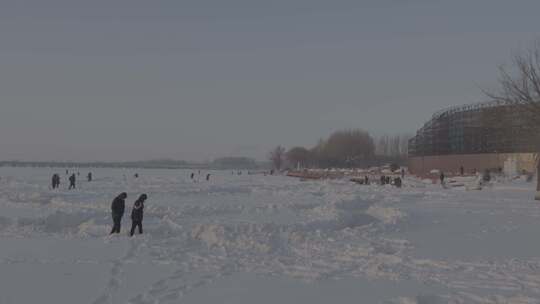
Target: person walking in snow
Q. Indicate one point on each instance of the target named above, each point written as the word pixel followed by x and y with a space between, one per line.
pixel 137 214
pixel 397 182
pixel 441 177
pixel 208 177
pixel 89 176
pixel 72 179
pixel 117 207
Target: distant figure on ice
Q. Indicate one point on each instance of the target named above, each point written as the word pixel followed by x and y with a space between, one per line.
pixel 137 214
pixel 117 207
pixel 402 173
pixel 89 176
pixel 461 171
pixel 208 176
pixel 67 171
pixel 383 180
pixel 136 175
pixel 192 176
pixel 441 177
pixel 487 176
pixel 366 180
pixel 78 173
pixel 397 182
pixel 72 180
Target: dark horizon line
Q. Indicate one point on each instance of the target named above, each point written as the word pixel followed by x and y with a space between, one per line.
pixel 143 164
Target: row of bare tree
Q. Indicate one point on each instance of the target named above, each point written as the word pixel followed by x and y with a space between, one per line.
pixel 343 149
pixel 393 145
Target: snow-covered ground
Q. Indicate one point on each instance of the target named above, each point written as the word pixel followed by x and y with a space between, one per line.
pixel 265 239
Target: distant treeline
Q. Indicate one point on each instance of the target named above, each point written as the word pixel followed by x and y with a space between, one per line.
pixel 354 148
pixel 225 163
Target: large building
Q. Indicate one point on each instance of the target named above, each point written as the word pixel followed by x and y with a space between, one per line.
pixel 488 135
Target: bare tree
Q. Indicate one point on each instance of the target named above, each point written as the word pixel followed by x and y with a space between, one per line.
pixel 394 146
pixel 348 148
pixel 382 146
pixel 298 156
pixel 277 157
pixel 520 87
pixel 404 144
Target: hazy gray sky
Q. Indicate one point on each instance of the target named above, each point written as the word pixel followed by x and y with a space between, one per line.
pixel 197 79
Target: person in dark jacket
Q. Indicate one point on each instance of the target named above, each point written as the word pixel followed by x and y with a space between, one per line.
pixel 117 207
pixel 441 177
pixel 72 181
pixel 89 176
pixel 137 214
pixel 208 177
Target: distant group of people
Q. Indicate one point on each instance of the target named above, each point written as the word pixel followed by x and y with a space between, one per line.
pixel 118 207
pixel 55 180
pixel 192 176
pixel 387 180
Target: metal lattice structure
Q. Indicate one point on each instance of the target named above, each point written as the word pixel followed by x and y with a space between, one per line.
pixel 489 127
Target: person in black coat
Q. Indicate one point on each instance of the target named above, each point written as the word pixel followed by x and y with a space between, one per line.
pixel 117 207
pixel 72 179
pixel 137 214
pixel 441 177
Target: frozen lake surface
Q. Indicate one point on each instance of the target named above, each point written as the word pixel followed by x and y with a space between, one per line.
pixel 265 239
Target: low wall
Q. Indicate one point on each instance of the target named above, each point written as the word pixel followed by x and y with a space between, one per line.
pixel 422 165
